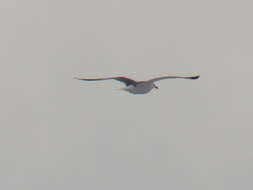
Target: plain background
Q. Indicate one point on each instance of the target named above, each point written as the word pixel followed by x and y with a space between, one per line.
pixel 60 133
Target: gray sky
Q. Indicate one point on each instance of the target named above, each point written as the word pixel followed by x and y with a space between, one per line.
pixel 60 133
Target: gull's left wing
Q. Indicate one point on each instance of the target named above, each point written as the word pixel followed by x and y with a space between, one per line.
pixel 125 80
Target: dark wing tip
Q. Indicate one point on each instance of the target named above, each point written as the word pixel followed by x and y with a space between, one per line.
pixel 95 79
pixel 195 77
pixel 78 78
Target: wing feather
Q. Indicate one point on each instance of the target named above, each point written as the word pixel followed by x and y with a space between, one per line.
pixel 174 77
pixel 125 80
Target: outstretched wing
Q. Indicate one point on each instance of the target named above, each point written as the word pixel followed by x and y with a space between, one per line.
pixel 174 77
pixel 125 80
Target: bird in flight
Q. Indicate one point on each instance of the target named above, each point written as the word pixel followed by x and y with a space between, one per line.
pixel 139 87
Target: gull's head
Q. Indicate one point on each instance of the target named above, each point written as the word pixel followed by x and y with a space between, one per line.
pixel 154 86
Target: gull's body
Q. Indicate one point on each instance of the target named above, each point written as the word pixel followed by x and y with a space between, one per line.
pixel 139 87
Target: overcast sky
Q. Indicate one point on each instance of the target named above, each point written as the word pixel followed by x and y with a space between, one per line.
pixel 57 133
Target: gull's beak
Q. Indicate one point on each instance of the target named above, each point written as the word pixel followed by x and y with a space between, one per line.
pixel 156 87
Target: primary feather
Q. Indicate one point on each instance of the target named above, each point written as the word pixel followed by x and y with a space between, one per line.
pixel 125 80
pixel 173 77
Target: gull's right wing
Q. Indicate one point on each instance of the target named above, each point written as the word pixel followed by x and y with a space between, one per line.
pixel 174 77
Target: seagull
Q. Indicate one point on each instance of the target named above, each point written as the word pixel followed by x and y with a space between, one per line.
pixel 139 87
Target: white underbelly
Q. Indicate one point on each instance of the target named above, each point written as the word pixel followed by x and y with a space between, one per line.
pixel 142 88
